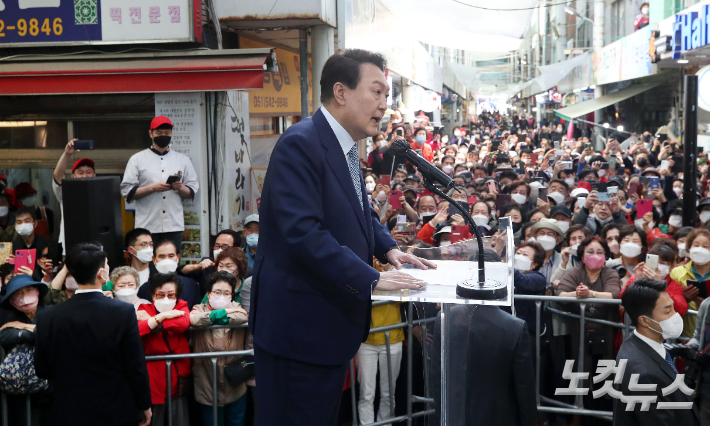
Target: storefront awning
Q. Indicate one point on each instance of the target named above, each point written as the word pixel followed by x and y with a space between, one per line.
pixel 153 72
pixel 591 105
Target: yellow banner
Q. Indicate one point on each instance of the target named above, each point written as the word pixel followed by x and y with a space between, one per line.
pixel 281 95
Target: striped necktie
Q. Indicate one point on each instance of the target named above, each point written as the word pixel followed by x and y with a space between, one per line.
pixel 354 166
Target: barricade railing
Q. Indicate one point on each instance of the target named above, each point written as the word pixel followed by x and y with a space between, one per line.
pixel 409 324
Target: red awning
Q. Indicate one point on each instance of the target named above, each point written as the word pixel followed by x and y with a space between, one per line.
pixel 190 71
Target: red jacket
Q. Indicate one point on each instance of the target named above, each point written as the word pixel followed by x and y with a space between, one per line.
pixel 426 234
pixel 427 152
pixel 674 290
pixel 175 331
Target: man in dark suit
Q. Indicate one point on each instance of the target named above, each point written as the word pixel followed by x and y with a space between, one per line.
pixel 89 347
pixel 651 311
pixel 491 372
pixel 318 234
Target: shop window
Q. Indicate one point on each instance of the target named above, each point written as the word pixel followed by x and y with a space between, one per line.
pixel 114 134
pixel 32 134
pixel 618 18
pixel 263 125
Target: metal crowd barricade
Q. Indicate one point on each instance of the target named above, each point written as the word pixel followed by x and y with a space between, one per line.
pixel 409 324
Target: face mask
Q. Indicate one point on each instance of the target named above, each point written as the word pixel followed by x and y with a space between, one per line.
pixel 164 304
pixel 663 270
pixel 162 141
pixel 219 302
pixel 586 159
pixel 145 255
pixel 676 221
pixel 30 201
pixel 614 247
pixel 381 196
pixel 448 169
pixel 644 10
pixel 564 226
pixel 127 295
pixel 396 121
pixel 601 172
pixel 705 216
pixel 166 266
pixel 558 197
pixel 548 243
pixel 252 240
pixel 26 229
pixel 445 140
pixel 570 182
pixel 522 263
pixel 382 144
pixel 594 261
pixel 70 284
pixel 4 211
pixel 630 249
pixel 678 191
pixel 681 250
pixel 671 328
pixel 517 226
pixel 369 187
pixel 559 130
pixel 519 198
pixel 216 253
pixel 445 243
pixel 699 255
pixel 457 133
pixel 420 139
pixel 480 219
pixel 28 302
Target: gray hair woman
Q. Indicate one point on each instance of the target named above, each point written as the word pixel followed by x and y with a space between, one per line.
pixel 125 286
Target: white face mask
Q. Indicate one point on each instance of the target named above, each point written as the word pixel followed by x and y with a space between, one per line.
pixel 448 169
pixel 519 198
pixel 671 328
pixel 586 159
pixel 26 229
pixel 548 243
pixel 663 270
pixel 216 253
pixel 445 243
pixel 164 304
pixel 601 172
pixel 71 284
pixel 457 133
pixel 479 180
pixel 678 191
pixel 522 263
pixel 396 120
pixel 445 140
pixel 145 255
pixel 681 250
pixel 480 219
pixel 219 302
pixel 564 226
pixel 4 211
pixel 127 295
pixel 570 182
pixel 532 240
pixel 699 255
pixel 644 10
pixel 676 221
pixel 558 197
pixel 166 266
pixel 704 216
pixel 535 184
pixel 370 187
pixel 381 196
pixel 630 249
pixel 382 143
pixel 614 246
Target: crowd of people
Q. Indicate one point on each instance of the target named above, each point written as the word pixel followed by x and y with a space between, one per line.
pixel 589 221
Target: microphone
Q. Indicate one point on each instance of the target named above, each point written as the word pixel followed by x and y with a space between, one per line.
pixel 428 170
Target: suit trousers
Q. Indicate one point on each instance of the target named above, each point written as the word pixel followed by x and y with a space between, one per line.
pixel 367 359
pixel 296 393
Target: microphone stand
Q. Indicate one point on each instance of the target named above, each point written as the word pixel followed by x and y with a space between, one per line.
pixel 472 225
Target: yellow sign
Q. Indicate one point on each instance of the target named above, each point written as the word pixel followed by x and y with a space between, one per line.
pixel 281 95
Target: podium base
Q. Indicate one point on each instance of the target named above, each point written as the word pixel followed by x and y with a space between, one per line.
pixel 490 290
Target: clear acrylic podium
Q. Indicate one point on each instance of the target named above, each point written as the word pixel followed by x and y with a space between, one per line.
pixel 441 288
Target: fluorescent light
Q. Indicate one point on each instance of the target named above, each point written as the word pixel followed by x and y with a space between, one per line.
pixel 569 10
pixel 683 61
pixel 22 123
pixel 606 125
pixel 620 128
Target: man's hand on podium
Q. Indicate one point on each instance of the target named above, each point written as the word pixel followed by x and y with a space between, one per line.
pixel 395 280
pixel 397 257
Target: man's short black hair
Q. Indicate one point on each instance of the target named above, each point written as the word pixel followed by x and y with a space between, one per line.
pixel 84 261
pixel 640 298
pixel 237 239
pixel 587 171
pixel 344 67
pixel 163 243
pixel 158 280
pixel 26 210
pixel 133 234
pixel 221 276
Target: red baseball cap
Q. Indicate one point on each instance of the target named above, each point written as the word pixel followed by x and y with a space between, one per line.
pixel 24 188
pixel 83 162
pixel 159 121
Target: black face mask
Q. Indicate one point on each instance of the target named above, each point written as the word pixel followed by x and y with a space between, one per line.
pixel 162 141
pixel 517 226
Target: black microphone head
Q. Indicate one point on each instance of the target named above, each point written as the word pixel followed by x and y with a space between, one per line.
pixel 400 147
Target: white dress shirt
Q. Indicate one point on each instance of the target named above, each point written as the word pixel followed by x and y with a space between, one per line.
pixel 160 211
pixel 346 141
pixel 658 347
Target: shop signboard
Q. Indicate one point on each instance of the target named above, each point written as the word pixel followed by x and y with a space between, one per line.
pixel 238 172
pixel 635 58
pixel 607 63
pixel 73 22
pixel 186 111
